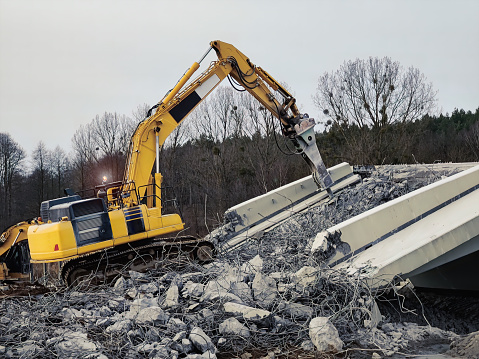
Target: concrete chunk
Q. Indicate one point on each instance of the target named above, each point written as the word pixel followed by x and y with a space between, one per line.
pixel 324 335
pixel 259 316
pixel 232 326
pixel 264 289
pixel 201 341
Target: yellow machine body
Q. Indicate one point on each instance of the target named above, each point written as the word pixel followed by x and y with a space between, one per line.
pixel 59 241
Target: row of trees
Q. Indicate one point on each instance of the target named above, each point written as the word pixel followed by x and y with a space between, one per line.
pixel 230 148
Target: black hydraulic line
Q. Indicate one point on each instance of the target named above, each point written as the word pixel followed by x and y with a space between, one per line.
pixel 232 82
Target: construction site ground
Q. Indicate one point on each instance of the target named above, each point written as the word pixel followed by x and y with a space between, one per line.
pixel 257 301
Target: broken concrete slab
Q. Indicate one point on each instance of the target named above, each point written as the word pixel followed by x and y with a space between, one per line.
pixel 245 220
pixel 412 235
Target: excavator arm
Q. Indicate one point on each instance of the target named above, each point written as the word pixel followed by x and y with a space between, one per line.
pixel 151 134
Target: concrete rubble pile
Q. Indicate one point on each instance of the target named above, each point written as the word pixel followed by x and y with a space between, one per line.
pixel 270 298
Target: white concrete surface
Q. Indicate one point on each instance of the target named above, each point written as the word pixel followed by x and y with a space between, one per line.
pixel 261 213
pixel 428 226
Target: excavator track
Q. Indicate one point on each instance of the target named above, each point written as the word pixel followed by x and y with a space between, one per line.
pixel 102 266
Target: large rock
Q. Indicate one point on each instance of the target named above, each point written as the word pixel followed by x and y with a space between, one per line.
pixel 152 316
pixel 139 304
pixel 258 316
pixel 201 341
pixel 324 335
pixel 219 290
pixel 232 326
pixel 72 343
pixel 264 289
pixel 243 291
pixel 171 299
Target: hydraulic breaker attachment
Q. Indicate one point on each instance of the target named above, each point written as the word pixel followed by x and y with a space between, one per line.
pixel 307 141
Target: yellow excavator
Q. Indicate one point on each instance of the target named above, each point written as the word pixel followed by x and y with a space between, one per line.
pixel 124 225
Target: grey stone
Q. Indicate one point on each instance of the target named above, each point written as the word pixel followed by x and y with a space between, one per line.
pixel 120 326
pixel 295 310
pixel 103 322
pixel 206 355
pixel 117 304
pixel 29 349
pixel 152 315
pixel 201 341
pixel 219 290
pixel 232 326
pixel 105 311
pixel 73 343
pixel 242 290
pixel 154 350
pixel 253 266
pixel 173 278
pixel 71 313
pixel 258 316
pixel 207 316
pixel 307 345
pixel 222 341
pixel 120 285
pixel 148 288
pixel 136 333
pixel 138 304
pixel 171 299
pixel 132 292
pixel 264 289
pixel 193 290
pixel 324 335
pixel 375 316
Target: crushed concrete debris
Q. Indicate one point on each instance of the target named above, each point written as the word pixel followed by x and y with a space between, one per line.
pixel 269 300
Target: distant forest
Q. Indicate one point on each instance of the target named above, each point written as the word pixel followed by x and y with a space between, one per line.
pixel 224 155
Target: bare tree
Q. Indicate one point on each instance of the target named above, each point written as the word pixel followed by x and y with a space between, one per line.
pixel 84 155
pixel 41 167
pixel 59 168
pixel 373 94
pixel 111 135
pixel 11 156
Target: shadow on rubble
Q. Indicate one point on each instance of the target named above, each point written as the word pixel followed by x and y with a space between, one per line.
pixel 455 311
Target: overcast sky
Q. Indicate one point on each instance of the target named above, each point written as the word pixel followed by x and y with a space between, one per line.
pixel 64 62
